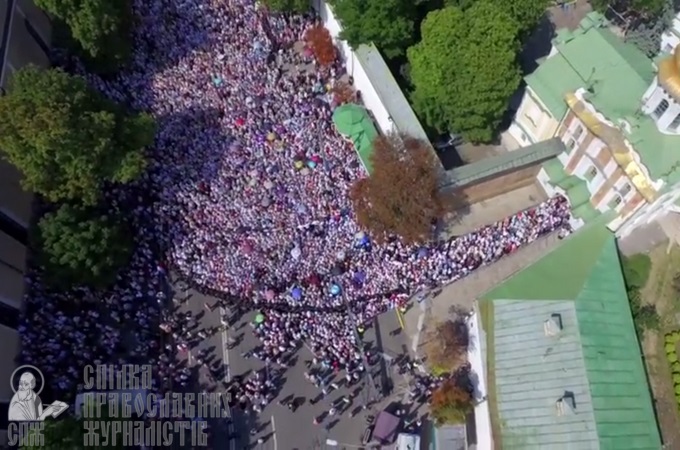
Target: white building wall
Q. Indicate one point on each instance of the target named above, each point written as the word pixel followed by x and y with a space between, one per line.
pixel 671 38
pixel 476 359
pixel 362 82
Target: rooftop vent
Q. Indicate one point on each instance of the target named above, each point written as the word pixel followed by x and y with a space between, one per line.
pixel 553 326
pixel 566 405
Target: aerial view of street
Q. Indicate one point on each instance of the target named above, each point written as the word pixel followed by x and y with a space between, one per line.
pixel 339 224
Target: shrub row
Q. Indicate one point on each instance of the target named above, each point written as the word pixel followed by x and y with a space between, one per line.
pixel 671 346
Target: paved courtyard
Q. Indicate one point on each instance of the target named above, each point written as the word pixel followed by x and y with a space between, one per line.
pixel 277 426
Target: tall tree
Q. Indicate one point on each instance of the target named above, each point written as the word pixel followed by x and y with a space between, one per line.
pixel 446 346
pixel 465 69
pixel 78 246
pixel 294 6
pixel 101 27
pixel 66 138
pixel 389 24
pixel 401 196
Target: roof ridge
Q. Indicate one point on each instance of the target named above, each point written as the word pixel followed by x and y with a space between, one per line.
pixel 554 276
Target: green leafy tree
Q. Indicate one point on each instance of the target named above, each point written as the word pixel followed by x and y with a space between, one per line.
pixel 295 6
pixel 77 246
pixel 101 27
pixel 645 8
pixel 646 35
pixel 527 13
pixel 389 24
pixel 465 69
pixel 66 138
pixel 636 269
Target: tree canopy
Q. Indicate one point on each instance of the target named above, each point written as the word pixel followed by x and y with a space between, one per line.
pixel 389 24
pixel 295 6
pixel 321 43
pixel 465 69
pixel 450 403
pixel 646 8
pixel 101 27
pixel 79 246
pixel 526 12
pixel 401 196
pixel 66 138
pixel 446 345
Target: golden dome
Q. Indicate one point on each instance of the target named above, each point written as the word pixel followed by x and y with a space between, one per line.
pixel 669 74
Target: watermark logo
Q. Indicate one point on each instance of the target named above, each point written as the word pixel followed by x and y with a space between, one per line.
pixel 26 410
pixel 27 383
pixel 117 407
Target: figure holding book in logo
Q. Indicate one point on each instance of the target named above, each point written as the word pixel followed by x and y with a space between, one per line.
pixel 26 404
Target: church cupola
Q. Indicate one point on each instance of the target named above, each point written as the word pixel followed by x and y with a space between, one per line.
pixel 662 100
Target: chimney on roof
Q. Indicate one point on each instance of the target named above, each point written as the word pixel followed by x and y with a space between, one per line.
pixel 553 326
pixel 566 405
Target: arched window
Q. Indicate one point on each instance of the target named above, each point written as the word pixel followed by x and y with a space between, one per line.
pixel 660 109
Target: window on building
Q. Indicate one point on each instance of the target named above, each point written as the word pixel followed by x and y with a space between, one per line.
pixel 571 144
pixel 625 189
pixel 660 108
pixel 524 138
pixel 591 173
pixel 668 48
pixel 578 132
pixel 9 315
pixel 614 202
pixel 675 123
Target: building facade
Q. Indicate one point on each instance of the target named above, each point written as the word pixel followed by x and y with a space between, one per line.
pixel 618 114
pixel 25 35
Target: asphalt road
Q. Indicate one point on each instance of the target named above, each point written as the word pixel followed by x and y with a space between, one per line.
pixel 280 428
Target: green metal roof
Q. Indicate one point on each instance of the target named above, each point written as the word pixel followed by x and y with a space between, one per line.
pixel 523 157
pixel 574 187
pixel 617 74
pixel 581 280
pixel 354 122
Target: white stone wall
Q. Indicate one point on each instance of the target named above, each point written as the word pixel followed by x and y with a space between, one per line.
pixel 361 81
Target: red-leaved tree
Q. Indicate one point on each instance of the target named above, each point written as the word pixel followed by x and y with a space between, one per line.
pixel 320 42
pixel 343 92
pixel 401 196
pixel 450 404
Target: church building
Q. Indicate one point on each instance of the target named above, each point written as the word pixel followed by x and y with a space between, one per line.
pixel 618 114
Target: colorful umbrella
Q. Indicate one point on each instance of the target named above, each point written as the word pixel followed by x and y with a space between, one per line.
pixel 269 294
pixel 335 289
pixel 296 293
pixel 259 318
pixel 295 252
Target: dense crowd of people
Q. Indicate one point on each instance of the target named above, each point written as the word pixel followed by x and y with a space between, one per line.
pixel 247 196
